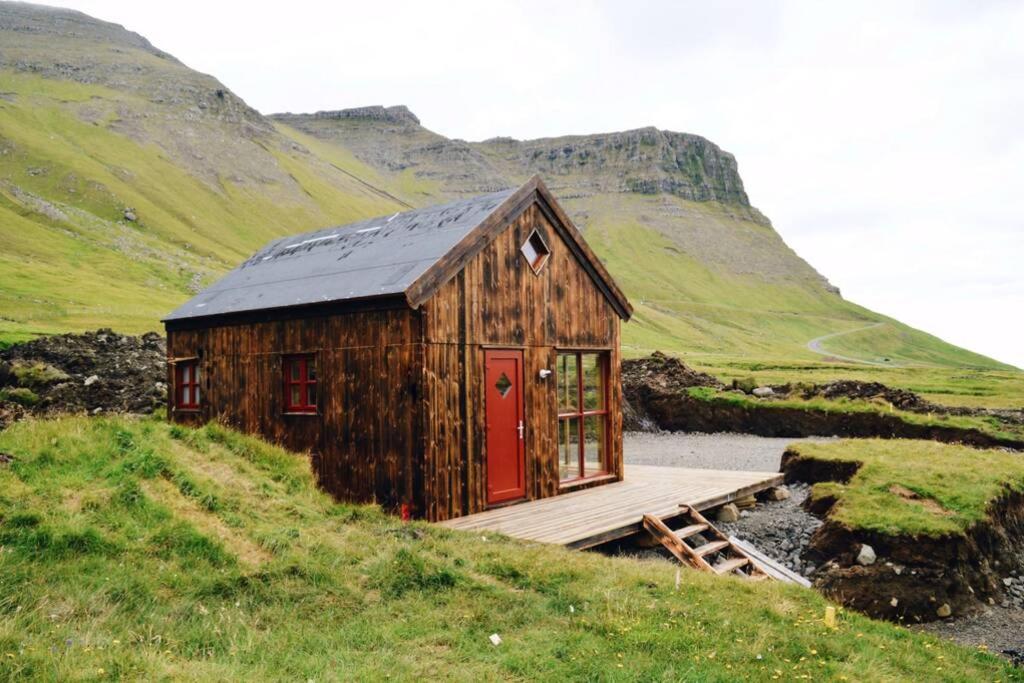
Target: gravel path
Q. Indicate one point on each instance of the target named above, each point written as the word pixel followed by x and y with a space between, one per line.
pixel 707 451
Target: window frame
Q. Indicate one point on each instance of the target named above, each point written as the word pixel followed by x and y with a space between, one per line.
pixel 581 413
pixel 303 382
pixel 543 256
pixel 193 385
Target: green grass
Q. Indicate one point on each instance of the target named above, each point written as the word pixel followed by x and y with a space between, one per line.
pixel 135 549
pixel 954 485
pixel 984 424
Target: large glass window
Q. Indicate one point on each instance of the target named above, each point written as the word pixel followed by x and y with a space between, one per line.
pixel 582 414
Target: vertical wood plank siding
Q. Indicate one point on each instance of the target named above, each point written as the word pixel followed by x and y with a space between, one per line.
pixel 400 396
pixel 497 300
pixel 364 437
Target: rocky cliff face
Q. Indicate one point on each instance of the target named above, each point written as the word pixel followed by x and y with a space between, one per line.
pixel 645 161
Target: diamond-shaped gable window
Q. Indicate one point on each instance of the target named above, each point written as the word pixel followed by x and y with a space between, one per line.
pixel 503 385
pixel 536 251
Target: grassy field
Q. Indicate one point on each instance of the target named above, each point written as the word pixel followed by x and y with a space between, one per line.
pixel 134 549
pixel 985 424
pixel 917 488
pixel 945 385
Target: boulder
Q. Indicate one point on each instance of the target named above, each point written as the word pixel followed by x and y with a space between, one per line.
pixel 763 392
pixel 778 493
pixel 944 610
pixel 866 556
pixel 728 513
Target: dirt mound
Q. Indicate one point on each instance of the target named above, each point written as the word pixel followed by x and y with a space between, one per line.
pixel 867 391
pixel 93 372
pixel 655 375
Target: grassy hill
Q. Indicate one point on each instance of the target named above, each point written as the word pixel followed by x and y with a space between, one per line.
pixel 129 181
pixel 136 549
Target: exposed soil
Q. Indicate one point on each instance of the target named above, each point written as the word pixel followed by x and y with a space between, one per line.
pixel 656 374
pixel 93 372
pixel 913 579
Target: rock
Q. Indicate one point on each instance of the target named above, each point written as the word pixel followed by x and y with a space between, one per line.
pixel 90 380
pixel 944 610
pixel 746 502
pixel 129 215
pixel 866 556
pixel 894 602
pixel 1007 582
pixel 763 392
pixel 778 493
pixel 728 513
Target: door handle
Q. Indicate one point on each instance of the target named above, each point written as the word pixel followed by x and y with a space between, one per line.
pixel 520 428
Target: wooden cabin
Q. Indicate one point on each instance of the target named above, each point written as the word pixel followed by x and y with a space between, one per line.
pixel 440 361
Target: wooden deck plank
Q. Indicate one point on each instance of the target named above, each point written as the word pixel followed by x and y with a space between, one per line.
pixel 584 518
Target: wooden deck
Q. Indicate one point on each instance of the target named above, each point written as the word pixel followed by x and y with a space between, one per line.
pixel 586 518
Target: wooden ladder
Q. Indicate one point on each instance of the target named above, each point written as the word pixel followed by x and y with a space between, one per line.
pixel 718 555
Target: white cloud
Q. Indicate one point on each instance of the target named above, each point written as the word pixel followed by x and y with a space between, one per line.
pixel 882 138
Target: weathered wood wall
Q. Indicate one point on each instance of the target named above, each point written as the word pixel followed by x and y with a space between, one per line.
pixel 498 301
pixel 364 438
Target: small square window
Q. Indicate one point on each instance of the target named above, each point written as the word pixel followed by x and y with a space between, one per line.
pixel 300 382
pixel 536 251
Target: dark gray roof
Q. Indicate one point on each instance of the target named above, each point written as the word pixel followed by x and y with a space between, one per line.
pixel 378 257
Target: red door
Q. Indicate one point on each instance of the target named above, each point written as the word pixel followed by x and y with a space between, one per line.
pixel 503 393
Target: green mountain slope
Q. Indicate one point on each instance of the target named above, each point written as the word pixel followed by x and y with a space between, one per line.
pixel 128 181
pixel 137 550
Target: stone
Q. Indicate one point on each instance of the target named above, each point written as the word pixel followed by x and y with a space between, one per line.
pixel 129 215
pixel 778 493
pixel 728 513
pixel 866 556
pixel 894 602
pixel 1007 581
pixel 944 610
pixel 745 502
pixel 90 380
pixel 763 392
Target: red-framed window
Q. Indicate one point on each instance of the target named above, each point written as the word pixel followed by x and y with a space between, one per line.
pixel 186 385
pixel 582 414
pixel 300 381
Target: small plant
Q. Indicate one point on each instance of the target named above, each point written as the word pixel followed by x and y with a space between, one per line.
pixel 37 374
pixel 21 395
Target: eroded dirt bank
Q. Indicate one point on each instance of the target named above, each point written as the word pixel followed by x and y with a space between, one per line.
pixel 911 578
pixel 656 391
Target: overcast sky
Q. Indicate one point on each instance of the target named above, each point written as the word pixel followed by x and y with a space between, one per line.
pixel 882 139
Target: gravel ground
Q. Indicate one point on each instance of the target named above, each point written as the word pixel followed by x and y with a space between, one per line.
pixel 707 451
pixel 999 629
pixel 782 530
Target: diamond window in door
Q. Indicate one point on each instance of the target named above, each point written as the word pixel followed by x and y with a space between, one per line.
pixel 503 385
